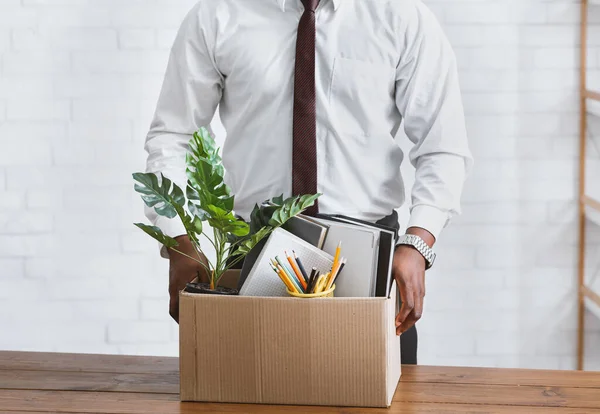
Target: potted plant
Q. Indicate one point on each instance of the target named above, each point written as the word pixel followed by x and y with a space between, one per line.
pixel 209 201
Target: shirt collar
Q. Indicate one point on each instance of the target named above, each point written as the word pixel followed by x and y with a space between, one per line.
pixel 336 4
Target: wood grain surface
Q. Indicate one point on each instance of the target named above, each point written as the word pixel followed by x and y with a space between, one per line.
pixel 77 383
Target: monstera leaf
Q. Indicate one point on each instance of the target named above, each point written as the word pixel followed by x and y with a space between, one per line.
pixel 250 242
pixel 227 222
pixel 290 208
pixel 158 235
pixel 205 174
pixel 162 196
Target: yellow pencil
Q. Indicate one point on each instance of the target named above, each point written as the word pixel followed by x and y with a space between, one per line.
pixel 336 258
pixel 287 281
pixel 332 274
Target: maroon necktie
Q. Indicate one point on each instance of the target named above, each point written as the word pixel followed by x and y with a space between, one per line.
pixel 304 158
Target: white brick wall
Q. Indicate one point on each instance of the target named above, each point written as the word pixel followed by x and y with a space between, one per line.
pixel 78 83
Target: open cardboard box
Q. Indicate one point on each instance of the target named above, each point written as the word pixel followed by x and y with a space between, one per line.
pixel 323 351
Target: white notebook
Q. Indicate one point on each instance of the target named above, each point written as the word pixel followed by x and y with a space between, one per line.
pixel 263 281
pixel 360 247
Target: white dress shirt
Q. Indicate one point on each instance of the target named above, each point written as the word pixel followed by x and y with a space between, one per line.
pixel 378 62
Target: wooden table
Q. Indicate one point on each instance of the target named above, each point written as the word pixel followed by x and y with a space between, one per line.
pixel 75 383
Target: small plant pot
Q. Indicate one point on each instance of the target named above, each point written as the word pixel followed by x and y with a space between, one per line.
pixel 204 289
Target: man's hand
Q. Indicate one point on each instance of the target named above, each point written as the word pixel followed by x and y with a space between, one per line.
pixel 183 270
pixel 409 272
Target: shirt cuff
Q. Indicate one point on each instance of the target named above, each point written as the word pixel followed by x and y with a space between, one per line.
pixel 170 227
pixel 429 218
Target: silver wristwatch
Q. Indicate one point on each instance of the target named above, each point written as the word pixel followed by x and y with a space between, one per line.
pixel 420 245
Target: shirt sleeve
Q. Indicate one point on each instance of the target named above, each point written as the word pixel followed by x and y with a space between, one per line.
pixel 190 94
pixel 428 98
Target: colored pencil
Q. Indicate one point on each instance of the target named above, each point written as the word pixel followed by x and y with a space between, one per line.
pixel 339 271
pixel 290 273
pixel 301 266
pixel 296 270
pixel 336 258
pixel 284 279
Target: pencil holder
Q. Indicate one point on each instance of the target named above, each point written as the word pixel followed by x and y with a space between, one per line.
pixel 325 294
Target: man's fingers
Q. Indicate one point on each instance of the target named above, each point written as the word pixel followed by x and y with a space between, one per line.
pixel 174 308
pixel 408 304
pixel 414 316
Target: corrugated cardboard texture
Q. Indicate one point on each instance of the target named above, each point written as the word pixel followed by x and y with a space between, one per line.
pixel 338 351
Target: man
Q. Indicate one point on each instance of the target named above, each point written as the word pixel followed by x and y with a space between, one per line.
pixel 311 94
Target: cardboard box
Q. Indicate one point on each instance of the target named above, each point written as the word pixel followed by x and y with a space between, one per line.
pixel 325 351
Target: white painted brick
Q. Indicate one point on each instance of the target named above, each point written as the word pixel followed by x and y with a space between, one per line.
pixel 4 40
pixel 43 110
pixel 452 345
pixel 12 268
pixel 146 17
pixel 24 153
pixel 165 38
pixel 146 86
pixel 503 345
pixel 64 39
pixel 155 309
pixel 51 334
pixel 134 331
pixel 25 223
pixel 36 62
pixel 528 12
pixel 73 154
pixel 565 80
pixel 25 245
pixel 88 86
pixel 25 86
pixel 503 257
pixel 502 213
pixel 555 57
pixel 137 241
pixel 34 130
pixel 65 17
pixel 11 17
pixel 44 199
pixel 170 349
pixel 84 109
pixel 564 12
pixel 11 200
pixel 137 38
pixel 475 35
pixel 125 62
pixel 475 13
pixel 541 277
pixel 105 309
pixel 502 80
pixel 548 35
pixel 92 130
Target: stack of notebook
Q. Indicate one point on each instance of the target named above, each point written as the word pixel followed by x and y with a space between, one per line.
pixel 369 249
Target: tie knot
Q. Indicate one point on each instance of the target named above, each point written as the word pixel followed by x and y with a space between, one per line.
pixel 310 4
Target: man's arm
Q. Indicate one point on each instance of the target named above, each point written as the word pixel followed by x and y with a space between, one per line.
pixel 189 97
pixel 428 97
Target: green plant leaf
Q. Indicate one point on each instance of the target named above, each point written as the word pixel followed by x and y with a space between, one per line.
pixel 158 235
pixel 278 201
pixel 248 244
pixel 292 207
pixel 205 174
pixel 227 222
pixel 162 196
